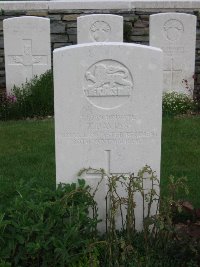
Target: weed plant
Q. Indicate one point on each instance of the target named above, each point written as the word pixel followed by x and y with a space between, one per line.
pixel 159 243
pixel 42 227
pixel 32 99
pixel 177 104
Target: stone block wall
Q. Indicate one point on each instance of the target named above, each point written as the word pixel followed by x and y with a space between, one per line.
pixel 64 29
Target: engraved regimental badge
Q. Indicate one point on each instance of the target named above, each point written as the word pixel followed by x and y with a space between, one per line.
pixel 108 84
pixel 173 29
pixel 100 31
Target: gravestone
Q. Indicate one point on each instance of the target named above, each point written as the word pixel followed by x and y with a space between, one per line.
pixel 99 28
pixel 175 34
pixel 107 113
pixel 27 49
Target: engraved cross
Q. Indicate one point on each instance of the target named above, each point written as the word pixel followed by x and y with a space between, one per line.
pixel 101 189
pixel 27 59
pixel 174 73
pixel 107 169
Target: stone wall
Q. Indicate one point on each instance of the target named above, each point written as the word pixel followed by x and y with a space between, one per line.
pixel 63 28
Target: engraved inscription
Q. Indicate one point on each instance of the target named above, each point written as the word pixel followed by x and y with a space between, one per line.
pixel 172 76
pixel 111 138
pixel 108 84
pixel 171 51
pixel 112 135
pixel 20 26
pixel 86 141
pixel 100 31
pixel 173 29
pixel 106 117
pixel 89 121
pixel 27 60
pixel 109 125
pixel 109 129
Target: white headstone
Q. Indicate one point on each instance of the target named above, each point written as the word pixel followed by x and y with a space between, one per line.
pixel 99 28
pixel 27 49
pixel 107 112
pixel 175 34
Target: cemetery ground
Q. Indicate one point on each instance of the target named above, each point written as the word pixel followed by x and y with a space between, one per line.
pixel 42 224
pixel 27 154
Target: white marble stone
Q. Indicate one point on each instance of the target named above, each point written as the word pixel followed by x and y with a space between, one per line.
pixel 107 112
pixel 100 4
pixel 175 34
pixel 91 4
pixel 23 5
pixel 99 28
pixel 27 49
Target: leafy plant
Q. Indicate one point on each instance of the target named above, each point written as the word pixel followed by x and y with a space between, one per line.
pixel 47 228
pixel 2 12
pixel 127 32
pixel 177 103
pixel 32 99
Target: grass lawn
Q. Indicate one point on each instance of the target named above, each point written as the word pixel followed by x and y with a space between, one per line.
pixel 27 152
pixel 181 153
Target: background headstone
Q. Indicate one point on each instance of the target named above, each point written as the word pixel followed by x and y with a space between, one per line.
pixel 175 34
pixel 107 112
pixel 27 49
pixel 99 28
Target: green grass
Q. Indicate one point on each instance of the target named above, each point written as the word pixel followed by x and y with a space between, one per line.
pixel 181 153
pixel 27 152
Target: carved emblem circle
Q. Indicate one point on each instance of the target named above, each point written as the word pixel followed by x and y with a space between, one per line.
pixel 100 31
pixel 173 29
pixel 108 84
